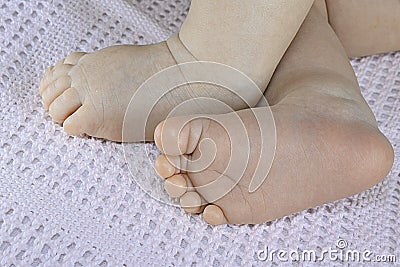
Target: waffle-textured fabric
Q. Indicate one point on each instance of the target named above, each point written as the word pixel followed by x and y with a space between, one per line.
pixel 70 201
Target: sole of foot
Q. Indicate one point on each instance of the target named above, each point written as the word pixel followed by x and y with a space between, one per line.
pixel 318 160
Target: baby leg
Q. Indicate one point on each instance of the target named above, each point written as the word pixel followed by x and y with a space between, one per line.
pixel 366 27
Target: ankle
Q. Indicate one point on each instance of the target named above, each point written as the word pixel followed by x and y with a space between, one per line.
pixel 250 36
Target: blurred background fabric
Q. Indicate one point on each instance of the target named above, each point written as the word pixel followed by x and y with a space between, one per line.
pixel 68 201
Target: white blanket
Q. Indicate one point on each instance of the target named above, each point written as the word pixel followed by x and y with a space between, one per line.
pixel 72 202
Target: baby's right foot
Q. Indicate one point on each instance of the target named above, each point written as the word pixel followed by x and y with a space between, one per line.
pixel 90 93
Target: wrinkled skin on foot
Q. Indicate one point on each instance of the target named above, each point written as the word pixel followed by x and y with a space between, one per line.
pixel 319 159
pixel 89 93
pixel 325 150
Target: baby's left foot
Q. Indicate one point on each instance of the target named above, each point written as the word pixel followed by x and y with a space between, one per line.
pixel 319 158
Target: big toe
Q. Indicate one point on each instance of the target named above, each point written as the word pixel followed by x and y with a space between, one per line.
pixel 82 121
pixel 179 135
pixel 64 105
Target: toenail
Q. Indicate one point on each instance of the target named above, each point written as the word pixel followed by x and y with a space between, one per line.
pixel 157 135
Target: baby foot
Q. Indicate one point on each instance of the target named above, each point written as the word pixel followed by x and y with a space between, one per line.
pixel 328 144
pixel 319 159
pixel 89 93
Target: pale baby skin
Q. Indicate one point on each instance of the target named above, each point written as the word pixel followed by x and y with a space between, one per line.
pixel 328 145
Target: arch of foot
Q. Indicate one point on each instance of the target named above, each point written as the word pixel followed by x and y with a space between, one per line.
pixel 177 181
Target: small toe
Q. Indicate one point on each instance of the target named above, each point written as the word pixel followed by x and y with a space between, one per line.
pixel 191 202
pixel 214 215
pixel 53 76
pixel 55 90
pixel 164 167
pixel 48 72
pixel 157 135
pixel 74 58
pixel 46 80
pixel 176 186
pixel 64 105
